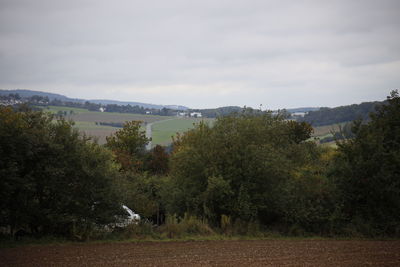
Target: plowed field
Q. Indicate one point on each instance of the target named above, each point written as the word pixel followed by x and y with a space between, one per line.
pixel 209 253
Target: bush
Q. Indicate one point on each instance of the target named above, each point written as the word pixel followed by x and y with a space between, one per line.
pixel 53 180
pixel 144 229
pixel 367 173
pixel 187 226
pixel 239 167
pixel 226 227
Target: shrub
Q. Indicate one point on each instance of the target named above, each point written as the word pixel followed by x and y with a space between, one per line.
pixel 226 227
pixel 187 226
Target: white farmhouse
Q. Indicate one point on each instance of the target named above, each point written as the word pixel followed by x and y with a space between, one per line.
pixel 298 114
pixel 196 114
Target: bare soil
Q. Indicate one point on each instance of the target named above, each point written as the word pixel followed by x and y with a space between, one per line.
pixel 209 253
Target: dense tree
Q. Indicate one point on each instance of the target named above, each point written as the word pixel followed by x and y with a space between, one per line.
pixel 143 171
pixel 248 168
pixel 239 167
pixel 308 204
pixel 367 171
pixel 157 161
pixel 52 179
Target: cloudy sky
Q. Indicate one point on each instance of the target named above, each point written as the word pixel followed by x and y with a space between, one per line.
pixel 203 53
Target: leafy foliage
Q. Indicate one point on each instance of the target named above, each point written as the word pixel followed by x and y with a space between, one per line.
pixel 128 145
pixel 240 167
pixel 368 173
pixel 52 179
pixel 246 173
pixel 157 161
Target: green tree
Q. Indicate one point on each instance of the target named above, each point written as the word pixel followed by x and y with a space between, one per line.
pixel 143 194
pixel 368 173
pixel 308 203
pixel 247 158
pixel 157 161
pixel 129 146
pixel 52 179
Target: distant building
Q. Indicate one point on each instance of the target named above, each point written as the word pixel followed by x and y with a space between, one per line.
pixel 148 112
pixel 101 109
pixel 10 102
pixel 298 114
pixel 195 114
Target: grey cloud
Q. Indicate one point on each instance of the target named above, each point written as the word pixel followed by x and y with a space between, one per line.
pixel 264 48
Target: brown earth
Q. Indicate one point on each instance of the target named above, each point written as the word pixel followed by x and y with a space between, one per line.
pixel 115 117
pixel 209 253
pixel 100 134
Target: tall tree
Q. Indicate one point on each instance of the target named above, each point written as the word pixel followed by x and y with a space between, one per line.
pixel 368 173
pixel 129 145
pixel 239 167
pixel 51 177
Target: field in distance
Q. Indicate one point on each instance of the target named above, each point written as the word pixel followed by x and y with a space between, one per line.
pixel 163 129
pixel 87 121
pixel 321 132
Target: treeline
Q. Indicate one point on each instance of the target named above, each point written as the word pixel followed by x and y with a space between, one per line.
pixel 115 108
pixel 328 116
pixel 16 98
pixel 224 111
pixel 249 173
pixel 10 97
pixel 112 124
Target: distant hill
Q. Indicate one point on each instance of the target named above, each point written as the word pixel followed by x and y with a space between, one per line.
pixel 177 107
pixel 217 112
pixel 223 111
pixel 144 105
pixel 29 93
pixel 328 116
pixel 313 115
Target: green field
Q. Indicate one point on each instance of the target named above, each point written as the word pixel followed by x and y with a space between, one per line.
pixel 163 131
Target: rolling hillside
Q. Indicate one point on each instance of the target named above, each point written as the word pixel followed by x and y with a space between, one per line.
pixel 328 116
pixel 51 96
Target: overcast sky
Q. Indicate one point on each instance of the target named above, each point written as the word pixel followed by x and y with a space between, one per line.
pixel 281 54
